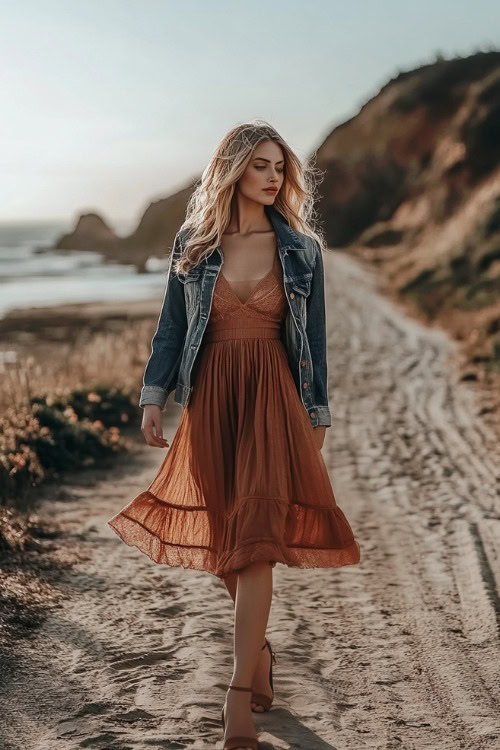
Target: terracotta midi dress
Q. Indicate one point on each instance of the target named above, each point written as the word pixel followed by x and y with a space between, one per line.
pixel 243 480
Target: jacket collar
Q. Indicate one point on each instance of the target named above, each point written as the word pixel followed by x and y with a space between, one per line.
pixel 288 238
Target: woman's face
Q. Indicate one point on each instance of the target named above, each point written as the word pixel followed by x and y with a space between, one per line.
pixel 264 170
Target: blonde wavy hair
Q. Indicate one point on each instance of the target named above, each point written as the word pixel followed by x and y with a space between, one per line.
pixel 208 211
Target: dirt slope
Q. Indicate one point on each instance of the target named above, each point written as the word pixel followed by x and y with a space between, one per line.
pixel 401 651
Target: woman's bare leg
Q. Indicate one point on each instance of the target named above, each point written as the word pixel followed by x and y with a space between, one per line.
pixel 260 682
pixel 251 613
pixel 231 582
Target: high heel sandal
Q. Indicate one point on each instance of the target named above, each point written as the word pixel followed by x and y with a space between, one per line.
pixel 233 742
pixel 261 699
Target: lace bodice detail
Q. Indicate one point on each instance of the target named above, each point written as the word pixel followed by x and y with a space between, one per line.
pixel 267 300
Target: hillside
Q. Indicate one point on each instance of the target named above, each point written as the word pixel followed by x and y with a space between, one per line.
pixel 412 184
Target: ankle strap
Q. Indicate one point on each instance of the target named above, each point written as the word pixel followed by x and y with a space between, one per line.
pixel 236 687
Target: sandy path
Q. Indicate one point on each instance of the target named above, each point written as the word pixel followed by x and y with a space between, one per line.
pixel 401 651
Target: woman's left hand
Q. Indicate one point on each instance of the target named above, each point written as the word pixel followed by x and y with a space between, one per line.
pixel 319 435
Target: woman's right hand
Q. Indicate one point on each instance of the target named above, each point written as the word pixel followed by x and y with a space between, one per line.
pixel 151 426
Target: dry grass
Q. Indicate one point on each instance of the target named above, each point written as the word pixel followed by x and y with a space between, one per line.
pixel 67 392
pixel 81 360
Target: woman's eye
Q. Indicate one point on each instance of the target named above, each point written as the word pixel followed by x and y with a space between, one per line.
pixel 261 167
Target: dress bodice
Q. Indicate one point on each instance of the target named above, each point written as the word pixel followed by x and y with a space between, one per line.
pixel 266 302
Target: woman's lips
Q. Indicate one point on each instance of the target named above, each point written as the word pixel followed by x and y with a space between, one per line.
pixel 270 190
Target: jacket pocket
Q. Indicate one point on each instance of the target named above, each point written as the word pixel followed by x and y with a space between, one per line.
pixel 302 285
pixel 192 276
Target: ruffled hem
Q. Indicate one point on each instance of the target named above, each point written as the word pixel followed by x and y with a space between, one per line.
pixel 131 525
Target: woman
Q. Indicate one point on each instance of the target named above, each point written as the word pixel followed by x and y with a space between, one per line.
pixel 241 338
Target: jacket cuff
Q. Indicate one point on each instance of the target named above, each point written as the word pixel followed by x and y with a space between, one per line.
pixel 320 415
pixel 153 394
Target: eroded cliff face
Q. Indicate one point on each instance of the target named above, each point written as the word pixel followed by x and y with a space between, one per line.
pixel 413 154
pixel 412 184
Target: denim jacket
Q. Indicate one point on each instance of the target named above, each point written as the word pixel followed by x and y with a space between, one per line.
pixel 185 311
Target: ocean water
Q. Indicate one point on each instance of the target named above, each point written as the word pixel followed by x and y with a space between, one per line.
pixel 33 276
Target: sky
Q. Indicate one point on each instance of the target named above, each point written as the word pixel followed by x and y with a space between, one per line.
pixel 110 104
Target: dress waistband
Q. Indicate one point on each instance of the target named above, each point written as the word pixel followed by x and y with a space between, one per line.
pixel 252 328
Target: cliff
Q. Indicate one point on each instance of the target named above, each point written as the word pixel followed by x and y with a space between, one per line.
pixel 412 184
